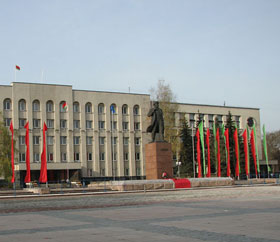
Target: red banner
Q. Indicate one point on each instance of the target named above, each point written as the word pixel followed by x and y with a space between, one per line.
pixel 12 153
pixel 218 153
pixel 236 152
pixel 253 149
pixel 245 140
pixel 198 153
pixel 228 156
pixel 27 154
pixel 208 153
pixel 43 173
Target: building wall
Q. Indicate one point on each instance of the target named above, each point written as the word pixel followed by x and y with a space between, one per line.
pixel 83 122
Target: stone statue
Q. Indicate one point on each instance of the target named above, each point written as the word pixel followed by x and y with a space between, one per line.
pixel 157 123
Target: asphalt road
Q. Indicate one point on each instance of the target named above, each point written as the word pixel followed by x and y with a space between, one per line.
pixel 221 214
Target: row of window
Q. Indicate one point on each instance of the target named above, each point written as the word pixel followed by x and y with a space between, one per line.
pixel 63 156
pixel 63 107
pixel 76 140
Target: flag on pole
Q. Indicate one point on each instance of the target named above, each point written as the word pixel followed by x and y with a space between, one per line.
pixel 237 168
pixel 256 148
pixel 226 134
pixel 200 127
pixel 43 173
pixel 27 176
pixel 245 141
pixel 218 153
pixel 223 134
pixel 252 139
pixel 112 108
pixel 12 153
pixel 17 68
pixel 198 153
pixel 215 145
pixel 208 152
pixel 265 149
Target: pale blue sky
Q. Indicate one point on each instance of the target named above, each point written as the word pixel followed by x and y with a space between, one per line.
pixel 209 51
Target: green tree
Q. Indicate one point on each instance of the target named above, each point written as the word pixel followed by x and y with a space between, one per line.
pixel 166 98
pixel 186 149
pixel 5 152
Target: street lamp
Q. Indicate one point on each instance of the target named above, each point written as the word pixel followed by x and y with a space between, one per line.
pixel 178 163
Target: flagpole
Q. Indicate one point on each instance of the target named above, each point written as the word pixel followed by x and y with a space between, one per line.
pixel 193 153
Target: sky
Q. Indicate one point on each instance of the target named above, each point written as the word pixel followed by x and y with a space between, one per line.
pixel 208 51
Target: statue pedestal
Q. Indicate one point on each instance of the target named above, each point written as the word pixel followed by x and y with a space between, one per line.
pixel 158 160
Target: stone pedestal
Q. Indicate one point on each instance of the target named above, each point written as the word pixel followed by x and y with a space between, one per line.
pixel 158 160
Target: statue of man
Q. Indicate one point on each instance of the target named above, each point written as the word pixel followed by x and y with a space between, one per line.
pixel 157 123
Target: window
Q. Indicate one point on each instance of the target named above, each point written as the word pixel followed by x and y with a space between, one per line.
pixel 126 171
pixel 113 109
pixel 102 156
pixel 63 124
pixel 89 156
pixel 102 171
pixel 36 123
pixel 50 123
pixel 124 109
pixel 36 157
pixel 36 140
pixel 125 125
pixel 101 140
pixel 136 110
pixel 22 105
pixel 22 140
pixel 137 141
pixel 76 140
pixel 76 156
pixel 7 122
pixel 138 171
pixel 22 122
pixel 137 156
pixel 89 140
pixel 211 120
pixel 76 107
pixel 50 157
pixel 125 140
pixel 237 121
pixel 63 156
pixel 36 106
pixel 114 140
pixel 88 124
pixel 136 126
pixel 63 140
pixel 101 124
pixel 21 157
pixel 114 125
pixel 115 154
pixel 49 140
pixel 7 104
pixel 49 106
pixel 76 124
pixel 126 156
pixel 88 108
pixel 101 108
pixel 63 107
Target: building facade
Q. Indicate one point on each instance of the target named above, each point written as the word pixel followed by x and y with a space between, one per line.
pixel 92 133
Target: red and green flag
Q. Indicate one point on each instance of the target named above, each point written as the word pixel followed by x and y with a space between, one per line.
pixel 256 148
pixel 200 127
pixel 252 139
pixel 265 149
pixel 198 153
pixel 237 166
pixel 17 68
pixel 218 153
pixel 245 141
pixel 208 153
pixel 64 106
pixel 43 173
pixel 226 135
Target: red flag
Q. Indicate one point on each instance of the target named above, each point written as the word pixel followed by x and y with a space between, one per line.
pixel 27 177
pixel 198 153
pixel 208 152
pixel 228 156
pixel 245 140
pixel 12 153
pixel 43 173
pixel 236 152
pixel 218 153
pixel 252 139
pixel 17 67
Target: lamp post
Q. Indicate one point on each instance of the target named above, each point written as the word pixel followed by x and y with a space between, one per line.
pixel 178 163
